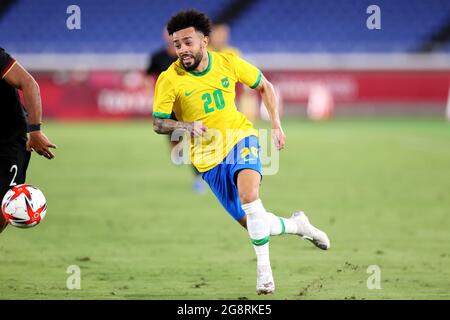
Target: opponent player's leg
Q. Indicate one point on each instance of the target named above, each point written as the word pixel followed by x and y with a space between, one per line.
pixel 177 155
pixel 13 169
pixel 198 185
pixel 6 177
pixel 3 222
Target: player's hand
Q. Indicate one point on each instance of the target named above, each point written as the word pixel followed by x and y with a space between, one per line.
pixel 278 138
pixel 196 128
pixel 38 141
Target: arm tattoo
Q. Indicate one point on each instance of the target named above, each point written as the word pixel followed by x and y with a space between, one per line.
pixel 167 126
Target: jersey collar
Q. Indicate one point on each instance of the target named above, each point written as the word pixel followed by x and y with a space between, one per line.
pixel 198 74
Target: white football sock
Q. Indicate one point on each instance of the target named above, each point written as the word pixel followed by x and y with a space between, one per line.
pixel 279 225
pixel 259 230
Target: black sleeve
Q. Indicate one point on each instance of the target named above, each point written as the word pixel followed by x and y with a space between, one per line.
pixel 5 62
pixel 152 68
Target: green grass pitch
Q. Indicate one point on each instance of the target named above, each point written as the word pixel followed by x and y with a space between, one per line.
pixel 122 212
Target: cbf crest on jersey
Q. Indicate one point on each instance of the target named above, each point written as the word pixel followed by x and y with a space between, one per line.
pixel 225 82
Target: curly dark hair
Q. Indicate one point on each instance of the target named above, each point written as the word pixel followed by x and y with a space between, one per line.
pixel 189 18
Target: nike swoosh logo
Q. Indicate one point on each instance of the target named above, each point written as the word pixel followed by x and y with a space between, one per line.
pixel 187 94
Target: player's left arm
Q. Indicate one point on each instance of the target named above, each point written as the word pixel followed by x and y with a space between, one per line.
pixel 19 78
pixel 251 76
pixel 268 96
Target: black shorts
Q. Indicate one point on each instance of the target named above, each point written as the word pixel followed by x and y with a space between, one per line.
pixel 14 159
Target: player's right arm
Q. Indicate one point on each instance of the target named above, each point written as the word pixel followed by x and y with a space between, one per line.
pixel 163 101
pixel 167 126
pixel 19 78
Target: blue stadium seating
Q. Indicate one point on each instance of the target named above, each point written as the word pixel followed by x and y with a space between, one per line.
pixel 107 26
pixel 113 26
pixel 338 25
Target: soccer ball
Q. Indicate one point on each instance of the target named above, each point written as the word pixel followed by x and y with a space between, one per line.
pixel 24 206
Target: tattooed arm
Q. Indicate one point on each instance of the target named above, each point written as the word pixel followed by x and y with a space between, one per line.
pixel 167 126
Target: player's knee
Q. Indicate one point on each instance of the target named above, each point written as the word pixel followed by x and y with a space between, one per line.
pixel 247 196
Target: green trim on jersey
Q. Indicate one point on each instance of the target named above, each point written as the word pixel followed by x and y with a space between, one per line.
pixel 283 227
pixel 261 242
pixel 198 74
pixel 257 81
pixel 161 115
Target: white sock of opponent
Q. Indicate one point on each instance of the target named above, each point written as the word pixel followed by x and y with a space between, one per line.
pixel 279 225
pixel 259 230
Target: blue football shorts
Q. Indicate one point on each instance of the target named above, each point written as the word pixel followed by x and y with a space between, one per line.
pixel 222 179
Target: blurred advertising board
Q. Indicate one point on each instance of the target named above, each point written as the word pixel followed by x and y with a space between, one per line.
pixel 121 95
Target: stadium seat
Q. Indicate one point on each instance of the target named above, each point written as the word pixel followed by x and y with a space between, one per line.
pixel 266 26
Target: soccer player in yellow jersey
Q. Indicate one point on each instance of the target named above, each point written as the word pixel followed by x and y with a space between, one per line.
pixel 199 88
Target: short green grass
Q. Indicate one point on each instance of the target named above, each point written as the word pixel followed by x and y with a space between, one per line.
pixel 122 212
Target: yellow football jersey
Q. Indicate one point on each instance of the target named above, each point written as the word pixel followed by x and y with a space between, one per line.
pixel 208 97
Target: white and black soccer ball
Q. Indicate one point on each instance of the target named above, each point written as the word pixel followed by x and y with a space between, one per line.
pixel 24 206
